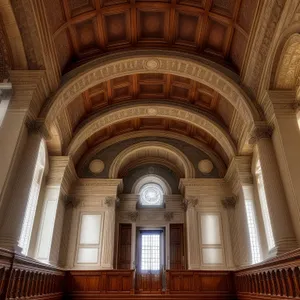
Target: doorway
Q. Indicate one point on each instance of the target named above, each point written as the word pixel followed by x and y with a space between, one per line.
pixel 150 257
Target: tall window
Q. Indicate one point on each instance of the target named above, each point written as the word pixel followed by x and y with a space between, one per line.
pixel 150 251
pixel 253 232
pixel 264 207
pixel 32 200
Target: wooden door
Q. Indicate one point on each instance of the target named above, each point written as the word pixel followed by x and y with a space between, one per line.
pixel 176 247
pixel 124 251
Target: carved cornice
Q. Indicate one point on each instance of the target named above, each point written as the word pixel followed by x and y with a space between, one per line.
pixel 229 202
pixel 168 216
pixel 133 215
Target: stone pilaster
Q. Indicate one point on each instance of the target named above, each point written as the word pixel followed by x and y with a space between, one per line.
pixel 282 227
pixel 12 221
pixel 107 258
pixel 192 234
pixel 283 113
pixel 60 177
pixel 240 178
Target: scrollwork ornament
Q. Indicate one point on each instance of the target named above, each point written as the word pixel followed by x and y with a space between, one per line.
pixel 191 202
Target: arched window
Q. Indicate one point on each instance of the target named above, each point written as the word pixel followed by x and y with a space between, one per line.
pixel 151 194
pixel 264 206
pixel 24 241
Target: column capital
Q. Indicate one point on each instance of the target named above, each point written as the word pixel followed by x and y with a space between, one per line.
pixel 229 202
pixel 37 127
pixel 260 131
pixel 190 202
pixel 70 200
pixel 111 201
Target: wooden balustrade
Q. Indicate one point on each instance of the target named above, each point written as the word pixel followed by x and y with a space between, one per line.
pixel 23 277
pixel 278 278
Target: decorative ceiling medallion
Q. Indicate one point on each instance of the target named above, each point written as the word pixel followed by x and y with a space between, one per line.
pixel 152 64
pixel 96 166
pixel 205 166
pixel 152 111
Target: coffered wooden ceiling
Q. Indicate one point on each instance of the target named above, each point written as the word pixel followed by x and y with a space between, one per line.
pixel 143 124
pixel 149 86
pixel 85 29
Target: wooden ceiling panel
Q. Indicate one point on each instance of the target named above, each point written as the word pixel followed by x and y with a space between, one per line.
pixel 246 14
pixel 63 48
pixel 217 39
pixel 239 44
pixel 99 100
pixel 55 13
pixel 180 93
pixel 98 27
pixel 152 25
pixel 86 35
pixel 152 123
pixel 78 7
pixel 224 7
pixel 150 90
pixel 117 28
pixel 187 29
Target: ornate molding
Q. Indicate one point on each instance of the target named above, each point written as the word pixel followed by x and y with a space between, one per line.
pixel 133 215
pixel 138 62
pixel 164 111
pixel 168 216
pixel 229 202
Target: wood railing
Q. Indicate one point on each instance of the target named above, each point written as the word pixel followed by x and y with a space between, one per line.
pixel 23 277
pixel 278 278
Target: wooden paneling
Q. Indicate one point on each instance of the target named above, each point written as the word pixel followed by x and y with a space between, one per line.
pixel 22 277
pixel 124 247
pixel 149 283
pixel 106 282
pixel 176 247
pixel 198 282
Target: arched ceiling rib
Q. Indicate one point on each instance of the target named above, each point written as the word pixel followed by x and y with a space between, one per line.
pixel 164 111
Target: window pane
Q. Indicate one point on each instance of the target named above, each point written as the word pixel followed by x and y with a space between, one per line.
pixel 210 229
pixel 150 252
pixel 87 255
pixel 151 194
pixel 212 256
pixel 90 229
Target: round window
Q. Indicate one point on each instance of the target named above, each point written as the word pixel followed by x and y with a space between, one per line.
pixel 151 194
